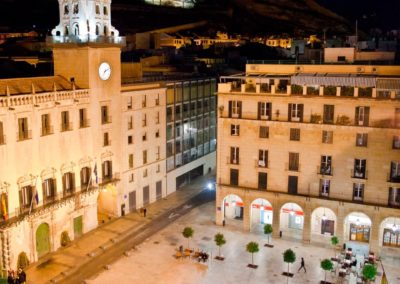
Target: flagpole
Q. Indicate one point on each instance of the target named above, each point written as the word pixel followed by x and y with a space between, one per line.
pixel 90 179
pixel 33 195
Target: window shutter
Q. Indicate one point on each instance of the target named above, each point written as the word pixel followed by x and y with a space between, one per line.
pixel 269 110
pixel 239 104
pixel 103 169
pixel 357 115
pixel 82 177
pixel 53 187
pixel 289 112
pixel 44 189
pixel 366 116
pixel 21 201
pixel 110 169
pixel 230 108
pixel 259 111
pixel 64 183
pixel 301 108
pixel 237 155
pixel 72 182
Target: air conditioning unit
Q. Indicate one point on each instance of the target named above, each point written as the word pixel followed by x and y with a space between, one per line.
pixel 261 163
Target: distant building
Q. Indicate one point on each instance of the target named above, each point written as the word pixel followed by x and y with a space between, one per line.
pixel 350 54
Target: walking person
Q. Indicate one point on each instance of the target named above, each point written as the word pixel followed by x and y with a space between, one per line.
pixel 10 278
pixel 144 212
pixel 302 266
pixel 21 276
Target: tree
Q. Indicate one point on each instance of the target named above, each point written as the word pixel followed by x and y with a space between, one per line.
pixel 268 230
pixel 326 265
pixel 188 233
pixel 334 242
pixel 289 257
pixel 219 241
pixel 65 239
pixel 23 261
pixel 369 272
pixel 252 247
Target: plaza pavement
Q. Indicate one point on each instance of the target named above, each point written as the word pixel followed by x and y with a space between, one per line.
pixel 153 261
pixel 53 267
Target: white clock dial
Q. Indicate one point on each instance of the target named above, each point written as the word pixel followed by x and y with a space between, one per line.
pixel 104 71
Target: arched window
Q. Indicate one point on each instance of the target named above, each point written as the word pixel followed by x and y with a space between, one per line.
pixel 57 34
pixel 97 29
pixel 97 9
pixel 76 29
pixel 66 32
pixel 105 11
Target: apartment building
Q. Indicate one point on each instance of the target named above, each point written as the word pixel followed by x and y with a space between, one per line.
pixel 324 155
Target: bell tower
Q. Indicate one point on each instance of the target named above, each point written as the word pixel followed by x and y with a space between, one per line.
pixel 85 19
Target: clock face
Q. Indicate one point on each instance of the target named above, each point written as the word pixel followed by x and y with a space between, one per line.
pixel 104 71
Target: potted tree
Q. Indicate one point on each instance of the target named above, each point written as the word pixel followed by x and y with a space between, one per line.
pixel 334 242
pixel 252 248
pixel 289 257
pixel 268 231
pixel 219 241
pixel 369 272
pixel 188 233
pixel 326 265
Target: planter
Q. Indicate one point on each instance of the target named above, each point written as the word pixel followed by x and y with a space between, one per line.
pixel 287 274
pixel 219 258
pixel 269 246
pixel 252 266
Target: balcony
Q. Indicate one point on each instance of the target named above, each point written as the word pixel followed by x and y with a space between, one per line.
pixel 84 123
pixel 47 131
pixel 24 135
pixel 325 170
pixel 106 119
pixel 111 178
pixel 324 194
pixel 66 127
pixel 232 161
pixel 90 40
pixel 393 177
pixel 359 174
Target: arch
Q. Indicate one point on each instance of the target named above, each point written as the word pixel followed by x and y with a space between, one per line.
pixel 105 30
pixel 389 232
pixel 323 224
pixel 75 29
pixel 357 227
pixel 66 30
pixel 98 29
pixel 43 239
pixel 58 33
pixel 232 207
pixel 260 214
pixel 291 220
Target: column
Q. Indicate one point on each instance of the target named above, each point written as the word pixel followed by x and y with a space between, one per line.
pixel 307 224
pixel 338 91
pixel 246 215
pixel 276 215
pixel 340 224
pixel 356 92
pixel 374 234
pixel 219 210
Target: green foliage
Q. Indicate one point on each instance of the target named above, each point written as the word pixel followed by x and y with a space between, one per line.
pixel 330 91
pixel 65 240
pixel 315 118
pixel 334 240
pixel 23 261
pixel 219 239
pixel 187 232
pixel 343 120
pixel 297 90
pixel 369 272
pixel 289 256
pixel 268 229
pixel 252 247
pixel 327 265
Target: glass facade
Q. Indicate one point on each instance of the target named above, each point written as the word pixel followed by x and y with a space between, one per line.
pixel 191 121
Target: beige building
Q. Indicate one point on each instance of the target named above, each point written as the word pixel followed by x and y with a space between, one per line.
pixel 324 156
pixel 351 54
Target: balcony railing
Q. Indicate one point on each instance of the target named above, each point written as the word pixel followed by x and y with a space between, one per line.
pixel 325 170
pixel 393 178
pixel 324 194
pixel 84 123
pixel 66 127
pixel 231 161
pixel 359 174
pixel 106 120
pixel 86 40
pixel 109 179
pixel 47 131
pixel 24 135
pixel 261 163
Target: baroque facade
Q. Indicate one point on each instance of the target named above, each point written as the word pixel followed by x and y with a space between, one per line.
pixel 325 153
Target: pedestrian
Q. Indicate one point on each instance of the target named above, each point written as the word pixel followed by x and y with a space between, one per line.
pixel 21 276
pixel 11 277
pixel 302 266
pixel 144 212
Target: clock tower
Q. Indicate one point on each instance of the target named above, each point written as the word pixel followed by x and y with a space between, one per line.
pixel 87 51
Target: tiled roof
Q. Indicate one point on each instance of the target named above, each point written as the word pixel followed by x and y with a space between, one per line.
pixel 20 86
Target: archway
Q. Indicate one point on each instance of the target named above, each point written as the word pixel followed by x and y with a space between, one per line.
pixel 389 233
pixel 291 221
pixel 357 231
pixel 260 214
pixel 232 207
pixel 42 239
pixel 106 203
pixel 323 224
pixel 97 29
pixel 76 29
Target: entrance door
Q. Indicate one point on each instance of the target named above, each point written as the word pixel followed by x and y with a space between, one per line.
pixel 146 195
pixel 359 233
pixel 158 190
pixel 327 226
pixel 78 227
pixel 132 201
pixel 43 240
pixel 292 184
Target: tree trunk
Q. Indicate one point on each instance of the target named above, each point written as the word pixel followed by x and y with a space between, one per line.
pixel 325 278
pixel 219 251
pixel 252 262
pixel 287 276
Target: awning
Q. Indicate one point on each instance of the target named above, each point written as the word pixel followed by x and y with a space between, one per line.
pixel 350 81
pixel 388 84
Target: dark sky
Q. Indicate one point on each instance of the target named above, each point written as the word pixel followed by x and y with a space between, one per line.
pixel 19 14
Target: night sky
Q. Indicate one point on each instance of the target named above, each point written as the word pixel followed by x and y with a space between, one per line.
pixel 24 14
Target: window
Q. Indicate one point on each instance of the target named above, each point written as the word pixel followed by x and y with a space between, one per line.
pixel 130 139
pixel 131 177
pixel 292 184
pixel 23 132
pixel 85 178
pixel 157 133
pixel 66 9
pixel 130 122
pixel 264 132
pixel 329 114
pixel 46 128
pixel 157 117
pixel 326 165
pixel 144 100
pixel 295 112
pixel 263 158
pixel 25 197
pixel 170 114
pixel 83 121
pixel 49 190
pixel 144 137
pixel 129 103
pixel 396 142
pixel 106 140
pixel 262 181
pixel 395 171
pixel 293 161
pixel 145 173
pixel 264 111
pixel 362 116
pixel 144 120
pixel 104 115
pixel 360 168
pixel 327 137
pixel 97 9
pixel 234 177
pixel 65 125
pixel 158 168
pixel 358 192
pixel 2 139
pixel 144 157
pixel 324 186
pixel 68 183
pixel 394 197
pixel 107 170
pixel 158 100
pixel 105 11
pixel 235 129
pixel 130 161
pixel 235 109
pixel 234 155
pixel 76 8
pixel 295 134
pixel 158 153
pixel 361 139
